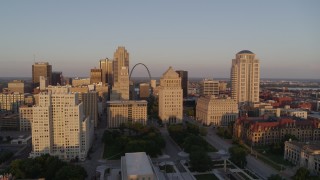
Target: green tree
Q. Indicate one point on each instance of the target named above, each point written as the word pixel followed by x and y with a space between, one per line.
pixel 203 131
pixel 191 141
pixel 275 177
pixel 71 173
pixel 238 156
pixel 200 161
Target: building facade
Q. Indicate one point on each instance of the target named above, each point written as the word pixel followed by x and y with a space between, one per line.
pixel 122 112
pixel 95 76
pixel 304 154
pixel 245 77
pixel 26 118
pixel 170 97
pixel 120 89
pixel 57 78
pixel 211 110
pixel 41 69
pixel 184 82
pixel 258 131
pixel 59 127
pixel 11 101
pixel 209 87
pixel 16 86
pixel 144 90
pixel 80 82
pixel 121 59
pixel 106 66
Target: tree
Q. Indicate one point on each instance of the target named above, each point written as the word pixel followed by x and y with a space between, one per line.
pixel 238 156
pixel 71 173
pixel 301 174
pixel 275 177
pixel 200 161
pixel 192 141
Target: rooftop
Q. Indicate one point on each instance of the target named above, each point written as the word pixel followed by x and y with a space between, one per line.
pixel 245 52
pixel 138 163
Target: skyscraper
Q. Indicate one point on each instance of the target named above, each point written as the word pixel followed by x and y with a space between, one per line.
pixel 95 76
pixel 56 78
pixel 106 66
pixel 121 59
pixel 41 69
pixel 170 97
pixel 184 82
pixel 209 87
pixel 59 127
pixel 245 77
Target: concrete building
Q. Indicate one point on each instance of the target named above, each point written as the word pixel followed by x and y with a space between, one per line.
pixel 16 86
pixel 41 69
pixel 153 83
pixel 222 86
pixel 294 113
pixel 26 118
pixel 304 154
pixel 95 76
pixel 144 90
pixel 209 87
pixel 184 82
pixel 121 59
pixel 90 106
pixel 266 131
pixel 80 82
pixel 9 122
pixel 11 101
pixel 245 77
pixel 120 89
pixel 211 110
pixel 170 97
pixel 106 65
pixel 57 78
pixel 43 83
pixel 59 127
pixel 122 112
pixel 137 166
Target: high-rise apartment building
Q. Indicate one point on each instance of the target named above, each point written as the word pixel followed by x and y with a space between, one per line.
pixel 170 97
pixel 41 69
pixel 245 77
pixel 122 112
pixel 211 110
pixel 95 76
pixel 106 66
pixel 59 127
pixel 121 59
pixel 16 86
pixel 209 87
pixel 184 82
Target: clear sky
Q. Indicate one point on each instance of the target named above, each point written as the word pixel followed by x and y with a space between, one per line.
pixel 201 37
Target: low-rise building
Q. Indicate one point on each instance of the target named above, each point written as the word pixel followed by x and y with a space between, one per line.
pixel 294 113
pixel 260 131
pixel 209 87
pixel 304 154
pixel 211 110
pixel 122 112
pixel 137 166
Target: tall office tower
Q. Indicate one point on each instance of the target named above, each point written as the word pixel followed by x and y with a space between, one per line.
pixel 120 90
pixel 144 90
pixel 56 78
pixel 209 87
pixel 106 66
pixel 121 59
pixel 90 106
pixel 95 76
pixel 41 69
pixel 184 82
pixel 16 86
pixel 59 127
pixel 245 77
pixel 170 97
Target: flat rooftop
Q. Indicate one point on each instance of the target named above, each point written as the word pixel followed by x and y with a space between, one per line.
pixel 138 163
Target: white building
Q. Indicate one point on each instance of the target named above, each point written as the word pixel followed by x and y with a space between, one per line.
pixel 304 154
pixel 209 87
pixel 245 77
pixel 26 117
pixel 122 112
pixel 137 166
pixel 211 110
pixel 170 97
pixel 59 127
pixel 294 113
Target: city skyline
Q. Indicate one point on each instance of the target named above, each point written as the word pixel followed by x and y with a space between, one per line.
pixel 201 38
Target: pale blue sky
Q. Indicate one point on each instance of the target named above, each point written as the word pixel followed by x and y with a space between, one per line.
pixel 198 36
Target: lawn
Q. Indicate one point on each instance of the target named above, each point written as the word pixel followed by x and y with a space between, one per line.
pixel 206 177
